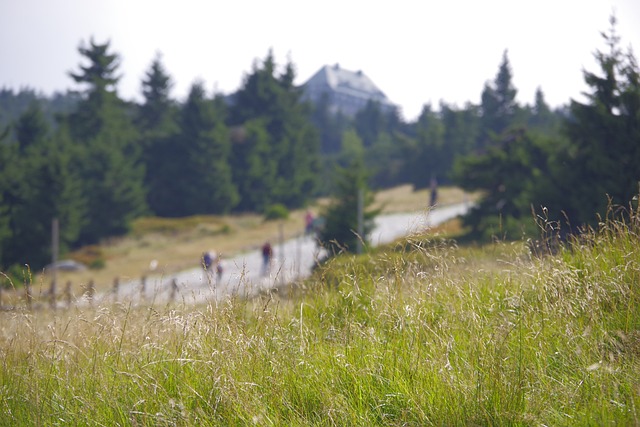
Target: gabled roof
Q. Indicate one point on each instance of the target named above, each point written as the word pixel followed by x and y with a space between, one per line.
pixel 352 83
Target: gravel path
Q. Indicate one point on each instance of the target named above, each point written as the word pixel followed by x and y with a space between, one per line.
pixel 243 274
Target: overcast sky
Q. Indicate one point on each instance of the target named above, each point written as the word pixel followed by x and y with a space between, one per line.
pixel 415 51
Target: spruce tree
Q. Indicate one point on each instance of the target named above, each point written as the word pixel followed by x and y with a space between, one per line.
pixel 110 164
pixel 542 119
pixel 205 139
pixel 157 124
pixel 254 167
pixel 49 190
pixel 294 141
pixel 431 159
pixel 512 175
pixel 499 105
pixel 601 162
pixel 340 228
pixel 10 177
pixel 157 112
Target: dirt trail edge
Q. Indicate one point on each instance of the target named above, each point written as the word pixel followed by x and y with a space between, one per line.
pixel 244 275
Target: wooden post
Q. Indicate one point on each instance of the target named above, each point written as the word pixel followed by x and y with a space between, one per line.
pixel 28 295
pixel 281 237
pixel 91 291
pixel 143 288
pixel 360 220
pixel 54 256
pixel 116 286
pixel 67 293
pixel 298 254
pixel 174 289
pixel 52 295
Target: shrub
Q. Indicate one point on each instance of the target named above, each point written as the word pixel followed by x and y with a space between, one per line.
pixel 276 211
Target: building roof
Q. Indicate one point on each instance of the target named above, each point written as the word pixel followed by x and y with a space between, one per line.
pixel 351 84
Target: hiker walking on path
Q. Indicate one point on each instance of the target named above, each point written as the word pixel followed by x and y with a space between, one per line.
pixel 434 192
pixel 206 261
pixel 308 223
pixel 210 262
pixel 219 269
pixel 267 254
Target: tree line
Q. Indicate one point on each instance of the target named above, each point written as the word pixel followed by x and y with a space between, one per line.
pixel 537 169
pixel 105 162
pixel 96 162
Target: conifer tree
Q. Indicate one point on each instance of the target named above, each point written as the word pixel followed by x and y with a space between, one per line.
pixel 110 164
pixel 431 158
pixel 254 167
pixel 204 137
pixel 157 123
pixel 10 175
pixel 157 112
pixel 341 216
pixel 48 190
pixel 602 159
pixel 294 142
pixel 542 119
pixel 499 105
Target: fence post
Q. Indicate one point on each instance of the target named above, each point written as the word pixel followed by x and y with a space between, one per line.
pixel 116 285
pixel 29 296
pixel 55 237
pixel 52 295
pixel 143 288
pixel 174 289
pixel 91 291
pixel 67 293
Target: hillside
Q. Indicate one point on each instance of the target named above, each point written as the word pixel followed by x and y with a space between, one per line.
pixel 420 332
pixel 178 244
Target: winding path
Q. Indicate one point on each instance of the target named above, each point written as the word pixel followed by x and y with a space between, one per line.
pixel 292 259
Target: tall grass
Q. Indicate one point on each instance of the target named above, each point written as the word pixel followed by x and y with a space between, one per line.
pixel 418 333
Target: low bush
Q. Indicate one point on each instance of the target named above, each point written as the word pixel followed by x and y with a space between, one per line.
pixel 275 212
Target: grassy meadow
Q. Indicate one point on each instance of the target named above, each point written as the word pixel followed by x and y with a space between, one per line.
pixel 420 332
pixel 177 244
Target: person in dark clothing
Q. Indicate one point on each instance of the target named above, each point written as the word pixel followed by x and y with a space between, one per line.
pixel 207 260
pixel 267 254
pixel 434 192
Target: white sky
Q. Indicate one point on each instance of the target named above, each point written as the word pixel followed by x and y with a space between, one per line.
pixel 414 51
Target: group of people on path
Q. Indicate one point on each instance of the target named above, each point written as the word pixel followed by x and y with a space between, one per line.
pixel 211 260
pixel 212 264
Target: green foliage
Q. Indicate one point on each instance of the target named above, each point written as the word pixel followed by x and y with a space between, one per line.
pixel 108 157
pixel 384 138
pixel 542 118
pixel 254 166
pixel 573 179
pixel 271 99
pixel 276 211
pixel 340 229
pixel 204 137
pixel 432 157
pixel 156 114
pixel 499 105
pixel 330 125
pixel 156 120
pixel 174 226
pixel 40 186
pixel 14 104
pixel 97 264
pixel 513 174
pixel 602 160
pixel 433 334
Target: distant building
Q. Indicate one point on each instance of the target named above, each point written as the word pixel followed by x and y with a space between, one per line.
pixel 345 91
